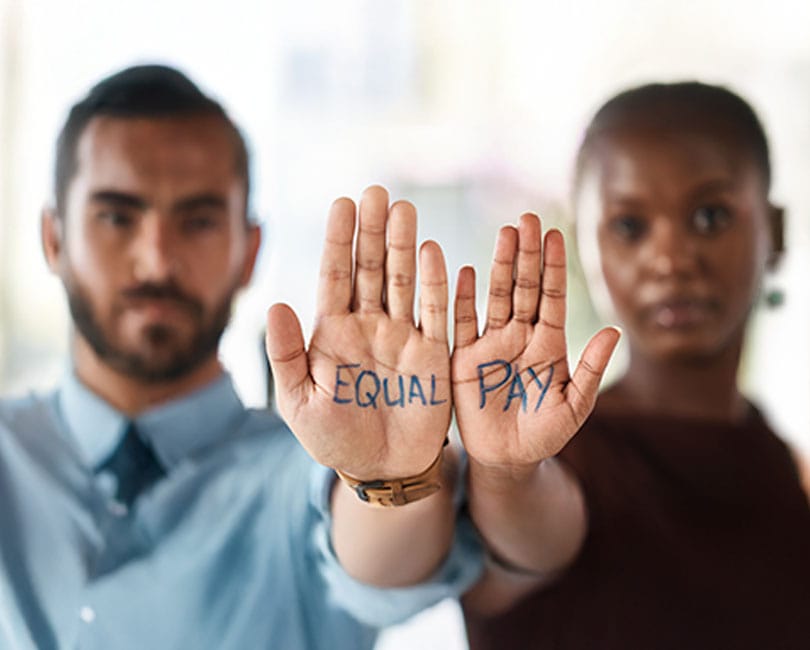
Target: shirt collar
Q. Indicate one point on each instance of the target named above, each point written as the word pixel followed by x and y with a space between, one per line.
pixel 175 429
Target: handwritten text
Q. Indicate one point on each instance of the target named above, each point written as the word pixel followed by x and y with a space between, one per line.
pixel 368 389
pixel 494 374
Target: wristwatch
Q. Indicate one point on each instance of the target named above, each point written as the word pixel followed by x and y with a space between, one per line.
pixel 397 491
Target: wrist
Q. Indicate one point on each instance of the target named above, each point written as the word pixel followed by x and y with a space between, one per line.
pixel 503 478
pixel 397 491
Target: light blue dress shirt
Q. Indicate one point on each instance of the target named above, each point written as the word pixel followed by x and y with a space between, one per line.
pixel 229 550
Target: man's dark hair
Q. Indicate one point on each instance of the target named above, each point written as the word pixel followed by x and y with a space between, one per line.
pixel 150 91
pixel 684 105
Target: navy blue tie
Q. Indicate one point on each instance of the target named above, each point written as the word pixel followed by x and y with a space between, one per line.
pixel 134 465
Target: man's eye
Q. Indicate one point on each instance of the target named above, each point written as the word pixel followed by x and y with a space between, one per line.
pixel 710 219
pixel 115 218
pixel 628 227
pixel 199 222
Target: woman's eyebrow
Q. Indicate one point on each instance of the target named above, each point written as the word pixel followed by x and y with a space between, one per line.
pixel 714 185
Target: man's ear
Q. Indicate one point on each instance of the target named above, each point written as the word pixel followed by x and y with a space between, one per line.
pixel 776 224
pixel 254 240
pixel 52 238
pixel 51 231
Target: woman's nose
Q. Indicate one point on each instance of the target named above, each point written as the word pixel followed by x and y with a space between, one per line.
pixel 670 251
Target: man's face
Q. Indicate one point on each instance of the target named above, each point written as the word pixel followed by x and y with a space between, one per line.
pixel 154 242
pixel 680 221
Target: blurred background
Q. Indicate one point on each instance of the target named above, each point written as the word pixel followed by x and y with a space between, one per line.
pixel 472 109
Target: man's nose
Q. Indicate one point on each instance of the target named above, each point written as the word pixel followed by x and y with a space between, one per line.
pixel 155 254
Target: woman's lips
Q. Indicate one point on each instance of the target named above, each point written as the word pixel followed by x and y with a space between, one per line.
pixel 682 313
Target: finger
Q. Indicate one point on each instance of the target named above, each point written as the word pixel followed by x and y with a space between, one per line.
pixel 432 292
pixel 584 385
pixel 335 282
pixel 553 283
pixel 370 250
pixel 499 303
pixel 527 280
pixel 400 262
pixel 466 320
pixel 288 358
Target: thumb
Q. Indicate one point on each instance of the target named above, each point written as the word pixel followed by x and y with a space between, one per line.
pixel 584 384
pixel 287 356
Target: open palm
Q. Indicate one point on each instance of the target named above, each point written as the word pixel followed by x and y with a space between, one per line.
pixel 371 395
pixel 516 402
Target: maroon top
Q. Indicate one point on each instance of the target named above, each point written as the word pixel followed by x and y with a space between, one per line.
pixel 699 537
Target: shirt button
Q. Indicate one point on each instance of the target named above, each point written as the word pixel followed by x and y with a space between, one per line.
pixel 117 509
pixel 87 614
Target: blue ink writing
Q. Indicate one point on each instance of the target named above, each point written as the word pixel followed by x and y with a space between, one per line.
pixel 370 398
pixel 370 390
pixel 543 388
pixel 495 374
pixel 433 400
pixel 416 391
pixel 388 400
pixel 339 382
pixel 516 391
pixel 482 387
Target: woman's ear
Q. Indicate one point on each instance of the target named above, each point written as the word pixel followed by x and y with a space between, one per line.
pixel 776 224
pixel 52 238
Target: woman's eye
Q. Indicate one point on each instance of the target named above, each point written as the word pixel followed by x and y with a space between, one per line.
pixel 710 219
pixel 628 227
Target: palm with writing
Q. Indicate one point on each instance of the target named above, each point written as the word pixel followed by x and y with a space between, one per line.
pixel 371 394
pixel 516 402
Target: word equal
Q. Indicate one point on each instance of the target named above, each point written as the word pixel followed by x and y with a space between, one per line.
pixel 369 389
pixel 517 389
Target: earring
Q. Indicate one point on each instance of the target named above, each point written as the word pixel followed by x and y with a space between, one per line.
pixel 774 298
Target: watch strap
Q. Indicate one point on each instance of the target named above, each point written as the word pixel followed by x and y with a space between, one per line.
pixel 397 491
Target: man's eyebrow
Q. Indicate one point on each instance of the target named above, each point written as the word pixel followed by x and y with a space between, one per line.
pixel 119 198
pixel 201 201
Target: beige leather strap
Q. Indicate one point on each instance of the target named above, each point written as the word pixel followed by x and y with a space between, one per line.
pixel 397 491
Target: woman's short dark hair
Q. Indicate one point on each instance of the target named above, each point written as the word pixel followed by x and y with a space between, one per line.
pixel 676 106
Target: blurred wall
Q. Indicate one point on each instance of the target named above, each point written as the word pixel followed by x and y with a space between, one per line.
pixel 472 109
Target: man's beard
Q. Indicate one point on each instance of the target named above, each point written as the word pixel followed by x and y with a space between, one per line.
pixel 171 358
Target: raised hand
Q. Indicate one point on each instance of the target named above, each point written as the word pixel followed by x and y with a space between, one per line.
pixel 516 402
pixel 371 394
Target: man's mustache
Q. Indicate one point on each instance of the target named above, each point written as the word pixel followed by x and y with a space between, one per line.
pixel 168 291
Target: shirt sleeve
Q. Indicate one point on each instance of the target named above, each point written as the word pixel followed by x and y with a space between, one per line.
pixel 379 606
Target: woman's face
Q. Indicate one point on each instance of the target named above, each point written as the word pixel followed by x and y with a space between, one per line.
pixel 681 227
